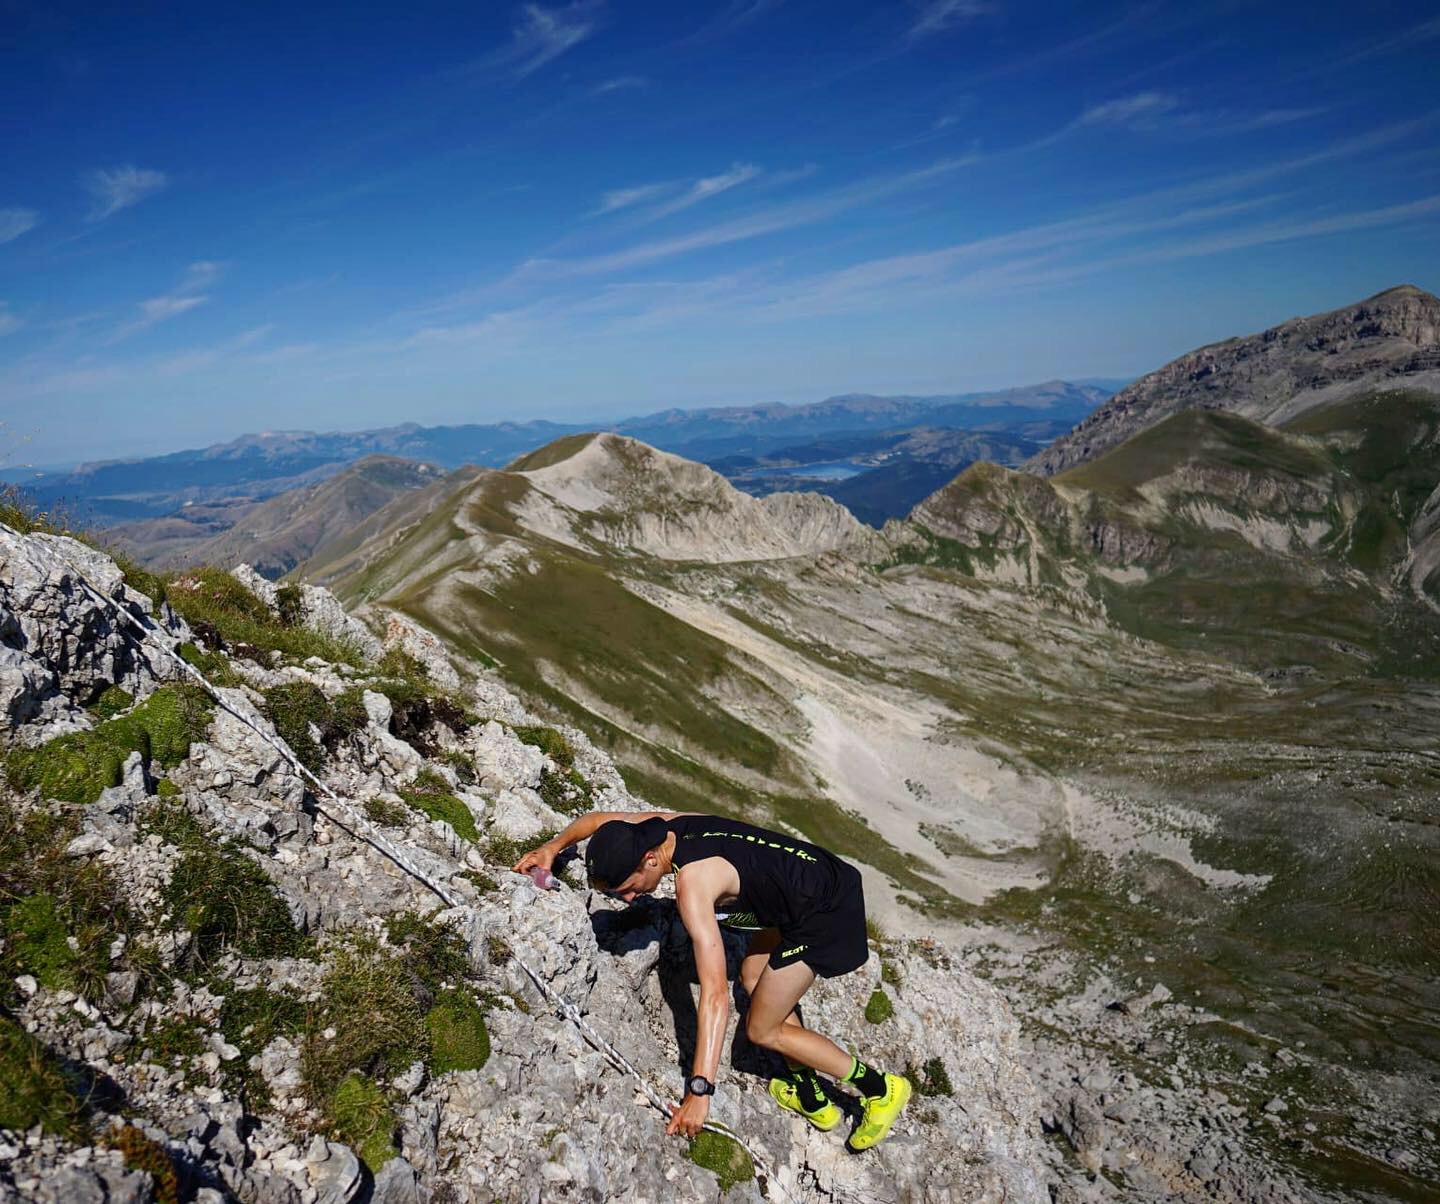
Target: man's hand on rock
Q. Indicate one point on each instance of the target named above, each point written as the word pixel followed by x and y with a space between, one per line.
pixel 543 856
pixel 689 1116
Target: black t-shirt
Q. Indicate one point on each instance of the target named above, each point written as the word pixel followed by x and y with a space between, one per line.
pixel 782 879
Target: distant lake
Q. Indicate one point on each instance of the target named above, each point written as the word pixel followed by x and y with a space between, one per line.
pixel 834 470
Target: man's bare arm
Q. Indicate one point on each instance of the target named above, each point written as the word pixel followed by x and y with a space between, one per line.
pixel 695 893
pixel 582 829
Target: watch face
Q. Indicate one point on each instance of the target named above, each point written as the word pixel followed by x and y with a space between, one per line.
pixel 699 1085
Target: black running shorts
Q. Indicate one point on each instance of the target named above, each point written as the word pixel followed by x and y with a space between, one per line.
pixel 830 940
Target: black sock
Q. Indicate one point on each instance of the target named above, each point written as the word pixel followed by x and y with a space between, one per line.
pixel 867 1078
pixel 806 1085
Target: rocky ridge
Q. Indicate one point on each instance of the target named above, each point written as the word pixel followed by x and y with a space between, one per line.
pixel 1274 376
pixel 185 1099
pixel 631 496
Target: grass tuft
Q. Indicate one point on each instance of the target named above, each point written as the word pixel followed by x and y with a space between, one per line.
pixel 359 1114
pixel 218 607
pixel 34 1088
pixel 297 707
pixel 219 894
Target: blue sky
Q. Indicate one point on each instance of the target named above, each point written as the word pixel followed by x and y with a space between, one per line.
pixel 217 219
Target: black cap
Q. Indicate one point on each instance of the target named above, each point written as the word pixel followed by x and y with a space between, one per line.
pixel 618 847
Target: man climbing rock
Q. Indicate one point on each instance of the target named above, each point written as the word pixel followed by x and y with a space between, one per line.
pixel 807 911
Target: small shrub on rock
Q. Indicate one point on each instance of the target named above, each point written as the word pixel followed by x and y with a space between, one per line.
pixel 48 898
pixel 219 607
pixel 299 709
pixel 142 1154
pixel 385 813
pixel 434 953
pixel 249 1020
pixel 879 1008
pixel 931 1079
pixel 368 1008
pixel 289 605
pixel 505 851
pixel 566 792
pixel 219 894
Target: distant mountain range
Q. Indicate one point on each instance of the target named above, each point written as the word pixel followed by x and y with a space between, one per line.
pixel 169 510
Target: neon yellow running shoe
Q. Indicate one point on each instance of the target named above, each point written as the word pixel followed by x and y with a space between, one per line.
pixel 824 1118
pixel 881 1111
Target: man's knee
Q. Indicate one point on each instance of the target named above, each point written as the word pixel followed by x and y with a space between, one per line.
pixel 762 1033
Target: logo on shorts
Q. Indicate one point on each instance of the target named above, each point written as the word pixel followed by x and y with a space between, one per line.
pixel 794 951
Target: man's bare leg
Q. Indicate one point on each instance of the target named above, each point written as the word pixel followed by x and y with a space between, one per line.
pixel 756 958
pixel 769 1024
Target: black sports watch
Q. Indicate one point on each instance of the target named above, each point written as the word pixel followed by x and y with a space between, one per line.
pixel 698 1084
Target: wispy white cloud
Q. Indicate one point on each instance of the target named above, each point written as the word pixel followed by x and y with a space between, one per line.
pixel 802 212
pixel 940 16
pixel 117 188
pixel 188 294
pixel 620 83
pixel 735 15
pixel 1141 111
pixel 199 358
pixel 624 198
pixel 15 222
pixel 541 35
pixel 9 323
pixel 705 188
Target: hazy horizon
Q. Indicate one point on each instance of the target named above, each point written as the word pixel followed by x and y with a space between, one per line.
pixel 218 223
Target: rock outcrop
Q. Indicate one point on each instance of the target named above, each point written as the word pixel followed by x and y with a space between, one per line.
pixel 281 1013
pixel 1390 339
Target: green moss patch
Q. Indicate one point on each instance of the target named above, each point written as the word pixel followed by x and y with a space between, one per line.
pixel 430 795
pixel 879 1008
pixel 111 703
pixel 458 1037
pixel 75 768
pixel 723 1157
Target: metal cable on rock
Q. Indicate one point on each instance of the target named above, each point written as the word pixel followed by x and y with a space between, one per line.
pixel 360 828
